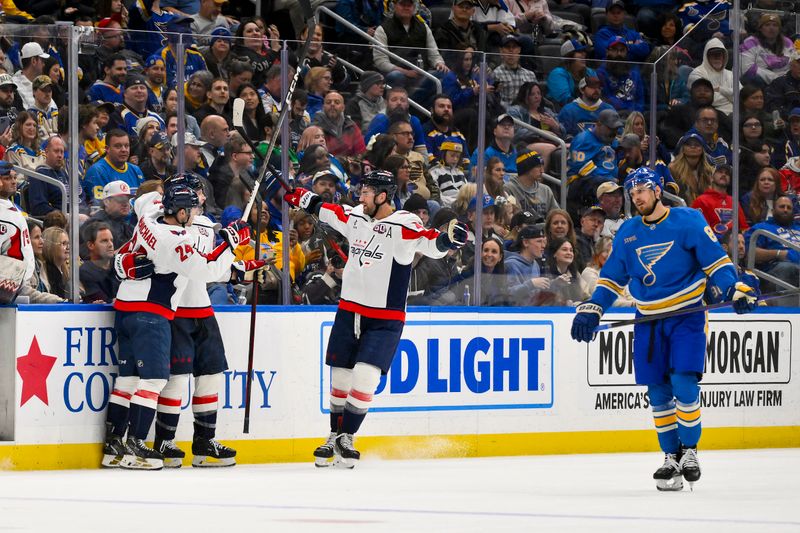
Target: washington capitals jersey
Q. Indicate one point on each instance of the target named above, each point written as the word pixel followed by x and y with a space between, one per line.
pixel 195 302
pixel 664 263
pixel 377 274
pixel 15 241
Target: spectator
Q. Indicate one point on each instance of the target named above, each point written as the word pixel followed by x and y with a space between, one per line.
pixel 783 93
pixel 680 118
pixel 419 206
pixel 441 128
pixel 500 146
pixel 690 167
pixel 447 173
pixel 55 271
pixel 208 18
pixel 529 107
pixel 32 58
pixel 623 86
pixel 231 179
pixel 219 52
pixel 324 184
pixel 524 269
pixel 298 117
pixel 111 42
pixel 36 290
pixel 494 186
pixel 773 128
pixel 109 88
pixel 116 198
pixel 192 61
pixel 759 202
pixel 318 57
pixel 638 49
pixel 669 27
pixel 715 57
pixel 633 157
pixel 343 136
pixel 671 89
pixel 752 158
pixel 44 197
pixel 566 284
pixel 24 152
pixel 717 205
pixel 157 165
pixel 460 32
pixel 610 198
pixel 420 179
pixel 368 100
pixel 196 92
pixel 580 114
pixel 239 72
pixel 113 167
pixel 498 22
pixel 772 256
pixel 170 115
pixel 462 86
pixel 593 158
pixel 317 82
pixel 155 77
pixel 532 17
pixel 592 220
pixel 396 109
pixel 214 132
pixel 217 102
pixel 706 126
pixel 590 274
pixel 635 123
pixel 143 131
pixel 367 15
pixel 562 81
pixel 705 20
pixel 314 159
pixel 93 143
pixel 765 55
pixel 401 169
pixel 433 281
pixel 8 95
pixel 98 282
pixel 53 70
pixel 255 120
pixel 509 76
pixel 494 284
pixel 44 109
pixel 752 129
pixel 529 193
pixel 411 39
pixel 325 288
pixel 134 106
pixel 382 147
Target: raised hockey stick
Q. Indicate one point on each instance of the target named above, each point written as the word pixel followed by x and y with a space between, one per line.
pixel 311 24
pixel 687 310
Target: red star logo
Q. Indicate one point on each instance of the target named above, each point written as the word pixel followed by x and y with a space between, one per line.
pixel 33 368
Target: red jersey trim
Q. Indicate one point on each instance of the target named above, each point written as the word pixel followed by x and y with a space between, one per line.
pixel 144 307
pixel 337 210
pixel 194 312
pixel 372 312
pixel 216 252
pixel 410 234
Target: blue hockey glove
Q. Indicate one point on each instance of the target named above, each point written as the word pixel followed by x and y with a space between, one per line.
pixel 743 298
pixel 587 317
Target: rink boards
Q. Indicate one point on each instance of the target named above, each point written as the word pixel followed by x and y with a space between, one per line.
pixel 464 383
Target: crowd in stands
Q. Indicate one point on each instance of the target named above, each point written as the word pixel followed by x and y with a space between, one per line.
pixel 357 108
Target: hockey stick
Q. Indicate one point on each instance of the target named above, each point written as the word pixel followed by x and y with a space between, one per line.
pixel 687 310
pixel 311 24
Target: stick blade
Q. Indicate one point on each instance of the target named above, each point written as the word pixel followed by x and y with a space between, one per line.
pixel 238 113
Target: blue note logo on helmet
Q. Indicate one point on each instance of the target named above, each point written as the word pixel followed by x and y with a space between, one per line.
pixel 187 179
pixel 381 181
pixel 179 197
pixel 642 177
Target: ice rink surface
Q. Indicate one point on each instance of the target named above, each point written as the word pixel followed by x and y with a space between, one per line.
pixel 751 491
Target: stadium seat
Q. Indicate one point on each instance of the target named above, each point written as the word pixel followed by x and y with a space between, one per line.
pixel 573 17
pixel 549 58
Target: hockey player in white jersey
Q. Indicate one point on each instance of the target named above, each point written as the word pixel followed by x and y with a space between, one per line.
pixel 15 241
pixel 197 348
pixel 144 308
pixel 371 314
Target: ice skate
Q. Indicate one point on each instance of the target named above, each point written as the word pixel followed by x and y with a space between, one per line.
pixel 325 454
pixel 139 457
pixel 173 456
pixel 343 447
pixel 113 449
pixel 668 477
pixel 689 465
pixel 210 453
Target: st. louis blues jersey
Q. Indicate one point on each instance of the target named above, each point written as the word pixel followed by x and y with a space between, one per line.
pixel 377 273
pixel 664 263
pixel 592 159
pixel 578 116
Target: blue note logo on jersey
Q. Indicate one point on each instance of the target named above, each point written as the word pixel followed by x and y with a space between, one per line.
pixel 650 255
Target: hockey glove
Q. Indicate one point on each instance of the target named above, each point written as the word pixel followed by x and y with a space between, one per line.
pixel 587 318
pixel 454 238
pixel 134 266
pixel 743 298
pixel 235 233
pixel 304 199
pixel 241 269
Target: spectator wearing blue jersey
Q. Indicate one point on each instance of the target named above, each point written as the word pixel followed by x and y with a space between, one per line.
pixel 156 72
pixel 580 114
pixel 109 89
pixel 501 147
pixel 623 86
pixel 593 159
pixel 134 106
pixel 706 125
pixel 562 82
pixel 441 128
pixel 773 256
pixel 192 58
pixel 113 167
pixel 638 49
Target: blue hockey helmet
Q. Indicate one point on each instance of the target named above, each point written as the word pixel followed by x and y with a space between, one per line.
pixel 179 197
pixel 642 177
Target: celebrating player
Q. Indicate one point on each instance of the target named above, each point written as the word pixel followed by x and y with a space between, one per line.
pixel 666 256
pixel 371 314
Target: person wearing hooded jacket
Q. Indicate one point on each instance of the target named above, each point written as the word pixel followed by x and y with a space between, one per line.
pixel 715 57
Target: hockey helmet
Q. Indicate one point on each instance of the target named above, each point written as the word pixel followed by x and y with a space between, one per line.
pixel 642 177
pixel 188 179
pixel 179 197
pixel 381 181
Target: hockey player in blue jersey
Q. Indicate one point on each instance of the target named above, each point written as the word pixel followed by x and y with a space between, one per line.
pixel 666 257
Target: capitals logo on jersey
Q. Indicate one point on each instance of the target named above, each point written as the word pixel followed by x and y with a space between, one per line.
pixel 366 252
pixel 650 255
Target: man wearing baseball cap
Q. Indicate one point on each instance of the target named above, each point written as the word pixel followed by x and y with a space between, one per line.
pixel 156 72
pixel 134 106
pixel 638 49
pixel 593 159
pixel 562 82
pixel 500 146
pixel 32 58
pixel 460 30
pixel 610 198
pixel 623 86
pixel 510 75
pixel 157 164
pixel 116 201
pixel 45 111
pixel 582 112
pixel 8 95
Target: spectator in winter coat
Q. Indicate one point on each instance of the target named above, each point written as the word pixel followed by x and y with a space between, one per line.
pixel 783 94
pixel 527 187
pixel 460 32
pixel 368 100
pixel 715 57
pixel 765 55
pixel 343 137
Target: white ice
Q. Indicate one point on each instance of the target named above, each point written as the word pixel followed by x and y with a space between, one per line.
pixel 743 490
